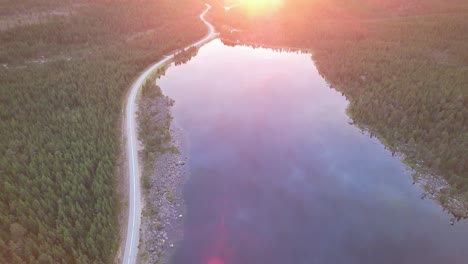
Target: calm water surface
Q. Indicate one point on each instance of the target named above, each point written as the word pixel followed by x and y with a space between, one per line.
pixel 278 175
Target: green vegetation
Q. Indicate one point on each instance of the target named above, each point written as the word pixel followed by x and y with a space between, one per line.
pixel 170 197
pixel 159 227
pixel 185 55
pixel 11 7
pixel 154 122
pixel 402 64
pixel 59 120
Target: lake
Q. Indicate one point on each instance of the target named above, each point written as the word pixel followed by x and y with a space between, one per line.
pixel 279 175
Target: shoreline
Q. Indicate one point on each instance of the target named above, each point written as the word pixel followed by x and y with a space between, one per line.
pixel 165 209
pixel 134 173
pixel 163 145
pixel 434 186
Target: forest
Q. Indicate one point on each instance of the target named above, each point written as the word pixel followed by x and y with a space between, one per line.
pixel 154 121
pixel 63 80
pixel 403 65
pixel 185 55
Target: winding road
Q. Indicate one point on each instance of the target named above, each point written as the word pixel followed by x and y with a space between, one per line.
pixel 134 212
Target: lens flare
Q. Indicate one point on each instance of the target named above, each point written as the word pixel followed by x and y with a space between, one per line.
pixel 215 260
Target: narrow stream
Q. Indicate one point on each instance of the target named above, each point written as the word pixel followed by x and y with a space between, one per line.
pixel 278 175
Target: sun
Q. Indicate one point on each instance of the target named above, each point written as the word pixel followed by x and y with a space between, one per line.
pixel 259 7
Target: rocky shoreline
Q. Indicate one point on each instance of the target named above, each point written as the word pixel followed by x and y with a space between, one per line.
pixel 435 187
pixel 438 189
pixel 164 208
pixel 166 171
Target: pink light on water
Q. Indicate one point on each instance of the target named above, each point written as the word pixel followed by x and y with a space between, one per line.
pixel 215 260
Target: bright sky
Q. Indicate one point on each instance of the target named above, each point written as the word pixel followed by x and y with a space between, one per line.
pixel 260 7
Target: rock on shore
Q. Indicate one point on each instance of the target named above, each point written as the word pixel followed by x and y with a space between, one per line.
pixel 164 209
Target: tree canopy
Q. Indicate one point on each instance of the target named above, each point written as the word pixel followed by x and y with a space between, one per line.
pixel 62 86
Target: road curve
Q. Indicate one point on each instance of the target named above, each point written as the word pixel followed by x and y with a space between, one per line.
pixel 134 210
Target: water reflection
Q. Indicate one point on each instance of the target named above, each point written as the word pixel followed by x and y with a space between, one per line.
pixel 278 175
pixel 435 186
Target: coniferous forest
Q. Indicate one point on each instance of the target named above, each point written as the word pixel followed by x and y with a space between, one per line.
pixel 65 67
pixel 403 65
pixel 63 77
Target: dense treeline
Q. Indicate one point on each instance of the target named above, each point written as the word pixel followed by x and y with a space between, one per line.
pixel 409 85
pixel 154 122
pixel 10 7
pixel 97 23
pixel 59 122
pixel 402 64
pixel 185 55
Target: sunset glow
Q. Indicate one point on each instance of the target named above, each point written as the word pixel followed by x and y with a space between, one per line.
pixel 259 7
